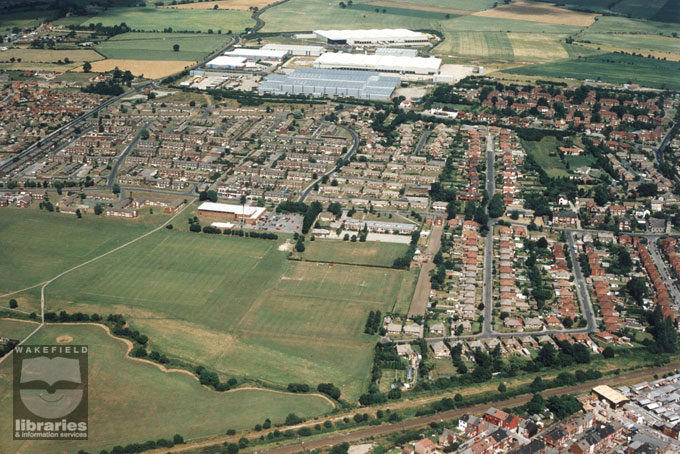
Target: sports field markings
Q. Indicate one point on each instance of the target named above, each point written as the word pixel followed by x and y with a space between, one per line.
pixel 63 273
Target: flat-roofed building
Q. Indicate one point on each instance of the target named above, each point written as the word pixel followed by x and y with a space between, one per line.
pixel 247 214
pixel 379 63
pixel 294 49
pixel 258 54
pixel 614 398
pixel 224 62
pixel 328 82
pixel 382 37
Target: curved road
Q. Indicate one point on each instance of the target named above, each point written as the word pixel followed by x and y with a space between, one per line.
pixel 353 149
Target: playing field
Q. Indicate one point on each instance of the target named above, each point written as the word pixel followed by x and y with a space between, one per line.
pixel 613 68
pixel 57 242
pixel 16 329
pixel 159 46
pixel 545 154
pixel 167 403
pixel 368 253
pixel 158 19
pixel 239 306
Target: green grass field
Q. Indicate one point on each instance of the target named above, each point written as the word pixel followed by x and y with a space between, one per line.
pixel 239 306
pixel 612 68
pixel 166 403
pixel 157 19
pixel 307 15
pixel 478 5
pixel 369 253
pixel 25 18
pixel 613 24
pixel 159 46
pixel 57 242
pixel 16 329
pixel 392 10
pixel 635 43
pixel 541 151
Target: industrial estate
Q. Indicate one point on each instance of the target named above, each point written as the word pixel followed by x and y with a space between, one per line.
pixel 341 227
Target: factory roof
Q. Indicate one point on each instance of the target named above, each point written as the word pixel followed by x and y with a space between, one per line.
pixel 248 51
pixel 379 61
pixel 223 60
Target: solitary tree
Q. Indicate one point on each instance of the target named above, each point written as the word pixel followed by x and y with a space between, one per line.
pixel 176 46
pixel 13 303
pixel 87 67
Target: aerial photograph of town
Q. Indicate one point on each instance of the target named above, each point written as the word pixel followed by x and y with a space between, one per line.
pixel 339 227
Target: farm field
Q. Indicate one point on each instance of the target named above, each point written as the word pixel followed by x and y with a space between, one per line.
pixel 50 56
pixel 159 46
pixel 243 5
pixel 462 5
pixel 612 68
pixel 25 18
pixel 65 239
pixel 537 12
pixel 644 44
pixel 239 306
pixel 368 253
pixel 533 46
pixel 119 401
pixel 545 154
pixel 308 15
pixel 150 69
pixel 157 19
pixel 613 24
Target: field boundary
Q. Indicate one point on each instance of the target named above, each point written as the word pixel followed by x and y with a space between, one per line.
pixel 342 263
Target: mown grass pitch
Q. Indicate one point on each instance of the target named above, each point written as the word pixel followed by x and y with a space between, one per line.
pixel 158 19
pixel 369 253
pixel 57 242
pixel 239 306
pixel 132 401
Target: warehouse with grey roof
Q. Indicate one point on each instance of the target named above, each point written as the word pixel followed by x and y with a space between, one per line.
pixel 328 82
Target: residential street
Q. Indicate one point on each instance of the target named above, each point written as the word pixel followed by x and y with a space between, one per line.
pixel 583 294
pixel 487 291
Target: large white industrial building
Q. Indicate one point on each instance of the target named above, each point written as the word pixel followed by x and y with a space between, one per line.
pixel 225 62
pixel 294 49
pixel 381 37
pixel 253 54
pixel 379 63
